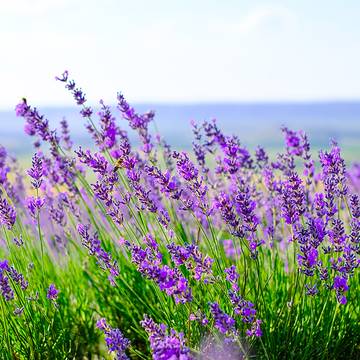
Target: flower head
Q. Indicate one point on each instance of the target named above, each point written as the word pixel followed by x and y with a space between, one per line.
pixel 7 214
pixel 52 293
pixel 165 344
pixel 115 340
pixel 36 171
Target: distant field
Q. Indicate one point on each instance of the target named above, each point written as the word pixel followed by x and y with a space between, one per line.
pixel 253 123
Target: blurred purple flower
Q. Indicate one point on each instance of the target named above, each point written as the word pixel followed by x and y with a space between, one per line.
pixel 52 293
pixel 7 214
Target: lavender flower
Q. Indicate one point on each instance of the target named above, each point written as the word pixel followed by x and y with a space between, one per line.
pixel 36 124
pixel 108 129
pixel 7 271
pixel 236 157
pixel 262 158
pixel 198 148
pixel 86 111
pixel 232 277
pixel 243 307
pixel 137 122
pixel 34 204
pixel 337 235
pixel 293 141
pixel 245 207
pixel 36 171
pixel 115 340
pixel 7 214
pixel 308 259
pixel 355 205
pixel 5 289
pixel 193 259
pixel 341 286
pixel 228 214
pixel 223 322
pixel 149 263
pixel 311 290
pixel 78 94
pixel 195 184
pixel 18 311
pixel 96 161
pixel 350 260
pixel 60 166
pixel 214 135
pixel 93 244
pixel 230 250
pixel 293 199
pixel 255 329
pixel 57 214
pixel 334 176
pixel 52 293
pixel 164 344
pixel 13 191
pixel 18 241
pixel 65 134
pixel 320 204
pixel 168 184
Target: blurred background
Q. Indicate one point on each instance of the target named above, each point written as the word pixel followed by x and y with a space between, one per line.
pixel 252 65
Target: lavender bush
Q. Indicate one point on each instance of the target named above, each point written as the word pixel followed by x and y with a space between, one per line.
pixel 147 252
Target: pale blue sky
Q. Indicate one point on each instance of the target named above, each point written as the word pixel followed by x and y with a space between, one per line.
pixel 180 50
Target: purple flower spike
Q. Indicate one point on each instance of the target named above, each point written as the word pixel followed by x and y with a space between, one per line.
pixel 193 259
pixel 165 344
pixel 195 183
pixel 293 199
pixel 34 204
pixel 223 322
pixel 7 214
pixel 232 276
pixel 65 134
pixel 21 108
pixel 104 259
pixel 115 340
pixel 341 286
pixel 52 293
pixel 137 122
pixel 255 329
pixel 293 142
pixel 149 263
pixel 8 272
pixel 78 94
pixel 36 171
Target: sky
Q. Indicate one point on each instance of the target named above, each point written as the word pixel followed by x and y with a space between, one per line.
pixel 180 50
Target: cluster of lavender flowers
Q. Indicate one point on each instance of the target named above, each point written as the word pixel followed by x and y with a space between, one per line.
pixel 164 344
pixel 242 307
pixel 115 340
pixel 206 230
pixel 191 257
pixel 149 263
pixel 8 272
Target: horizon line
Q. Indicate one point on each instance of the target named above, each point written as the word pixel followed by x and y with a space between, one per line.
pixel 205 102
